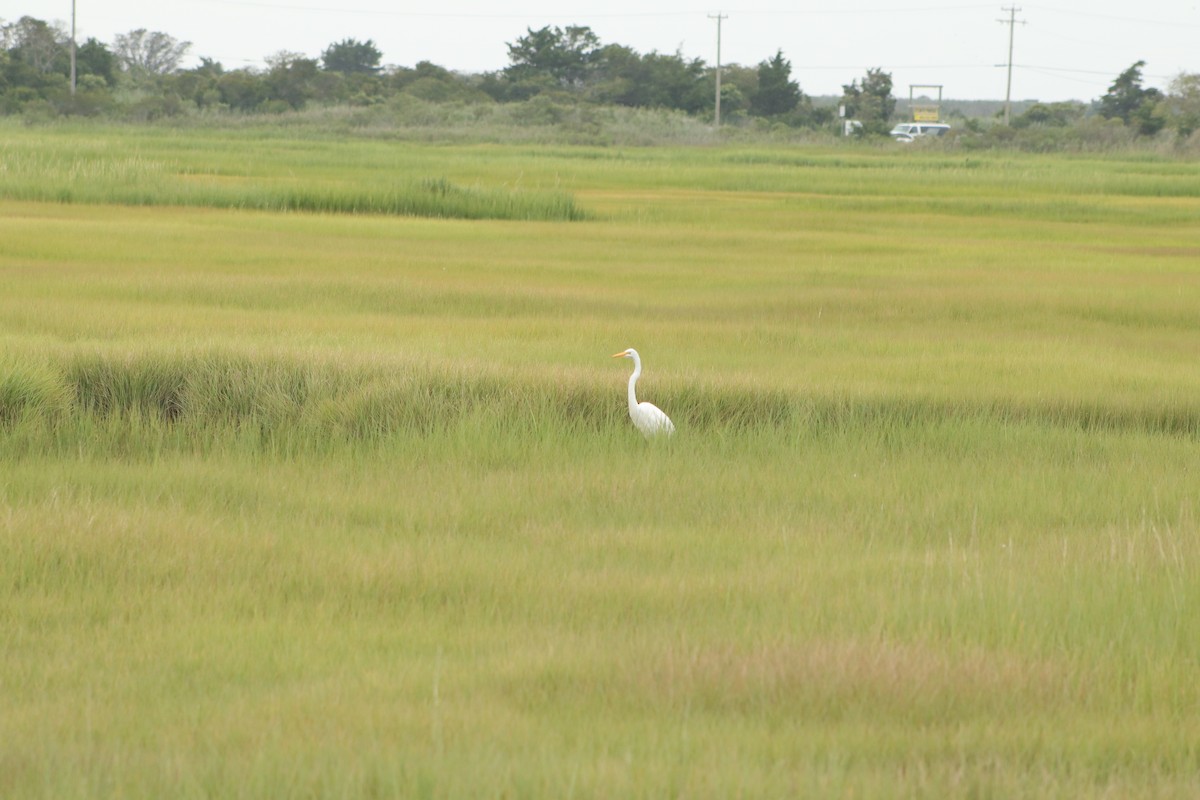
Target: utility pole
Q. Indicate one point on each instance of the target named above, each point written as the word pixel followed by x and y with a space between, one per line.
pixel 718 17
pixel 1011 22
pixel 72 47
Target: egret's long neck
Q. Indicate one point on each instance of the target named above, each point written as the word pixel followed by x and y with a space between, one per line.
pixel 637 371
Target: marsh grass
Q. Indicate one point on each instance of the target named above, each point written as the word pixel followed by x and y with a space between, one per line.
pixel 935 599
pixel 281 169
pixel 105 175
pixel 350 505
pixel 319 406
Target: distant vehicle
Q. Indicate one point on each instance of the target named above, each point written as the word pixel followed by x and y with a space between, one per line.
pixel 908 131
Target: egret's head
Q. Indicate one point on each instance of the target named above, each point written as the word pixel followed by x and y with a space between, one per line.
pixel 630 353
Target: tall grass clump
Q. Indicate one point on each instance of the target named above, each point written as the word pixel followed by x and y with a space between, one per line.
pixel 277 400
pixel 429 197
pixel 31 389
pixel 321 403
pixel 105 176
pixel 144 386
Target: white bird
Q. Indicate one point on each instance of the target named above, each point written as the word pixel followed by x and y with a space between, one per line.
pixel 647 417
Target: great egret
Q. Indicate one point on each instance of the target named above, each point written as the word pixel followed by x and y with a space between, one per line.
pixel 647 417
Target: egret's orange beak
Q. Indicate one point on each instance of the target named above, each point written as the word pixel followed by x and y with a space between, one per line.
pixel 619 355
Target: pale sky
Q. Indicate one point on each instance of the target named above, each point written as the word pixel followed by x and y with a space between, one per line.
pixel 1069 49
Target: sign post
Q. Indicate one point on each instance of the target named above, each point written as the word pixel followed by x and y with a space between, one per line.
pixel 928 111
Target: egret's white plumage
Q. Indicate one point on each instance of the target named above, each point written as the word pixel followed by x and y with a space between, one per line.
pixel 647 417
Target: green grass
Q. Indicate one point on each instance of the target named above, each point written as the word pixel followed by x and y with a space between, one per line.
pixel 347 504
pixel 66 169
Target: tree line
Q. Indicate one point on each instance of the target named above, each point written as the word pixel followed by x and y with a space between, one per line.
pixel 138 75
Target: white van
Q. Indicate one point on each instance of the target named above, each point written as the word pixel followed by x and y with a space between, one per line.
pixel 907 131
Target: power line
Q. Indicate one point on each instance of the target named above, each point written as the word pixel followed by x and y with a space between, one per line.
pixel 1088 71
pixel 886 66
pixel 442 14
pixel 292 6
pixel 1057 75
pixel 1116 18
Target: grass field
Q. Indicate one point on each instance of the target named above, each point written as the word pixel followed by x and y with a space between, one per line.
pixel 298 500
